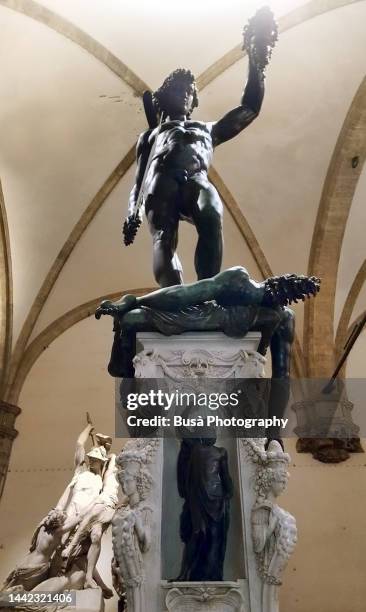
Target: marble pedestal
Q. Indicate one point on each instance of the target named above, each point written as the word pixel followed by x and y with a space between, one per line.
pixel 176 358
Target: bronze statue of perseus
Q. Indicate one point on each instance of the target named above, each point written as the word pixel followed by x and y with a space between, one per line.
pixel 174 155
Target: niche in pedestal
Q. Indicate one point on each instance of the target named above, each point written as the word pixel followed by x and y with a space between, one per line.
pixel 172 504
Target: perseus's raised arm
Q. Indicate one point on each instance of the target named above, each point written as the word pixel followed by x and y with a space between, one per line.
pixel 260 36
pixel 240 117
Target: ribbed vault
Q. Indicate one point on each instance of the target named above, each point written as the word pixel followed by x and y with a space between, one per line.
pixel 40 13
pixel 6 295
pixel 335 204
pixel 343 328
pixel 300 14
pixel 53 331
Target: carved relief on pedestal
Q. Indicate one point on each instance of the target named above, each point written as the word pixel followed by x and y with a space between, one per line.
pixel 274 530
pixel 195 363
pixel 131 525
pixel 204 597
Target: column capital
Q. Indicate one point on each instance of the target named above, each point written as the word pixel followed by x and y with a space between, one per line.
pixel 8 414
pixel 8 433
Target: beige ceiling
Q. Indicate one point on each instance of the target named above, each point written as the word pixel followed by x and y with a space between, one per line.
pixel 68 119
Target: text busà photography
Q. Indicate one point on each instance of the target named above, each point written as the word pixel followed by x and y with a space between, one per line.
pixel 182 305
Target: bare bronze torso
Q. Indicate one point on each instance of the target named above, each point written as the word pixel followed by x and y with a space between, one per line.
pixel 171 179
pixel 183 145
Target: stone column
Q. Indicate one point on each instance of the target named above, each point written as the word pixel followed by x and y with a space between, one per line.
pixel 8 414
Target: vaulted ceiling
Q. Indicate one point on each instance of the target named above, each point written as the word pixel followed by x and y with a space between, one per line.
pixel 72 73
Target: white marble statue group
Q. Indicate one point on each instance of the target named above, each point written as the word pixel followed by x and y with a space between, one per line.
pixel 65 547
pixel 66 544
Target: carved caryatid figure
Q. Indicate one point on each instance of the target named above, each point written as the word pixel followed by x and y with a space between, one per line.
pixel 273 529
pixel 173 159
pixel 131 523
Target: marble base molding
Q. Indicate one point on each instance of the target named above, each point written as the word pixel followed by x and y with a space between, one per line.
pixel 192 355
pixel 204 597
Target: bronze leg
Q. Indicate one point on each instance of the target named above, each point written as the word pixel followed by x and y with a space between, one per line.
pixel 207 217
pixel 163 218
